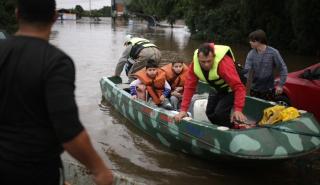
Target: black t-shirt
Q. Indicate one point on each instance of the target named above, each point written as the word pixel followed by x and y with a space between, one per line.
pixel 37 105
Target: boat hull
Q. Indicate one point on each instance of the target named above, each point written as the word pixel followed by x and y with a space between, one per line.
pixel 206 140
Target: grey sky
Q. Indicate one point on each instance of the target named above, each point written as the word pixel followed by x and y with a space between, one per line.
pixel 95 4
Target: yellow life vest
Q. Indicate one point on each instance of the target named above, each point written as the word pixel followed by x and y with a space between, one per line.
pixel 213 77
pixel 137 45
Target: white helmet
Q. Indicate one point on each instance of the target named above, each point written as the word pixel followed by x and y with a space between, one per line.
pixel 127 38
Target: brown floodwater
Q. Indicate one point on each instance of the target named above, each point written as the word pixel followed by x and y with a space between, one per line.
pixel 95 49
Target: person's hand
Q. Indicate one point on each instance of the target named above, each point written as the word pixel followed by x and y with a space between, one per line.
pixel 176 94
pixel 134 97
pixel 178 117
pixel 103 177
pixel 279 90
pixel 179 95
pixel 238 116
pixel 178 89
pixel 162 98
pixel 173 93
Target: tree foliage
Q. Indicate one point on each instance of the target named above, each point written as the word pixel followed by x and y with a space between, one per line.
pixel 305 20
pixel 7 18
pixel 291 24
pixel 103 12
pixel 78 10
pixel 169 10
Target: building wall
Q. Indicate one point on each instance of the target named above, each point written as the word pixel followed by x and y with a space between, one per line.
pixel 120 8
pixel 117 8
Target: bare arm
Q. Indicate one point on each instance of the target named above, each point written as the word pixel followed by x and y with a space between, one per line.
pixel 123 60
pixel 63 114
pixel 81 148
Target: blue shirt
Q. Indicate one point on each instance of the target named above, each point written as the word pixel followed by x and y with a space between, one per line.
pixel 263 66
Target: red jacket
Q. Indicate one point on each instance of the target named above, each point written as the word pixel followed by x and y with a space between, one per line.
pixel 228 73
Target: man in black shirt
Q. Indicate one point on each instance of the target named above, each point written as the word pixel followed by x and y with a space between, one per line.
pixel 38 113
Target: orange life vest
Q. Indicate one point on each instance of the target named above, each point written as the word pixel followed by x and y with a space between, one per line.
pixel 154 86
pixel 173 79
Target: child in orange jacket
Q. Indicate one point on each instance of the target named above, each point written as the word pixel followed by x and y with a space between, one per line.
pixel 152 80
pixel 176 73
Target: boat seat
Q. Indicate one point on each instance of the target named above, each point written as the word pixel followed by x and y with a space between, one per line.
pixel 198 107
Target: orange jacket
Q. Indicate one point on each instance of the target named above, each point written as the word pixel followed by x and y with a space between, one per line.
pixel 173 79
pixel 155 86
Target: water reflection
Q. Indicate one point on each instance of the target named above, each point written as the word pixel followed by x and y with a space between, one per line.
pixel 95 49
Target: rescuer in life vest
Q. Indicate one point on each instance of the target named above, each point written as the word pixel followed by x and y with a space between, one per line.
pixel 138 51
pixel 215 65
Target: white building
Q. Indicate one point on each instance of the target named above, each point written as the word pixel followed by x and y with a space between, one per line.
pixel 67 16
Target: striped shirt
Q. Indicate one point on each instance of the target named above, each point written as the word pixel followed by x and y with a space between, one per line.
pixel 263 66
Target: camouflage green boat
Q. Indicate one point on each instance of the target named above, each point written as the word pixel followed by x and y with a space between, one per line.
pixel 199 137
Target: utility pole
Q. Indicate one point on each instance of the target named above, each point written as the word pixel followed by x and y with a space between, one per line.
pixel 90 9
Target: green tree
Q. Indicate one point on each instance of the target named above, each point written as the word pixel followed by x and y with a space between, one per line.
pixel 306 25
pixel 169 10
pixel 291 24
pixel 106 11
pixel 7 16
pixel 79 11
pixel 214 20
pixel 270 15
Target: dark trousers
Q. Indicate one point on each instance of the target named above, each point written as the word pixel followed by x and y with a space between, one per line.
pixel 219 108
pixel 266 95
pixel 13 173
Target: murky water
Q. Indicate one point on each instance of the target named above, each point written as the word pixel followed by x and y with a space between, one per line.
pixel 95 49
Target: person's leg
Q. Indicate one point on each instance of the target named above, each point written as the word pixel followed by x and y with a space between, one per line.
pixel 135 68
pixel 150 53
pixel 156 55
pixel 141 92
pixel 268 95
pixel 219 108
pixel 174 102
pixel 223 109
pixel 179 104
pixel 255 93
pixel 166 104
pixel 144 55
pixel 211 105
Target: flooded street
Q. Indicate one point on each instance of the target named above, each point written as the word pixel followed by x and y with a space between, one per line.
pixel 95 49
